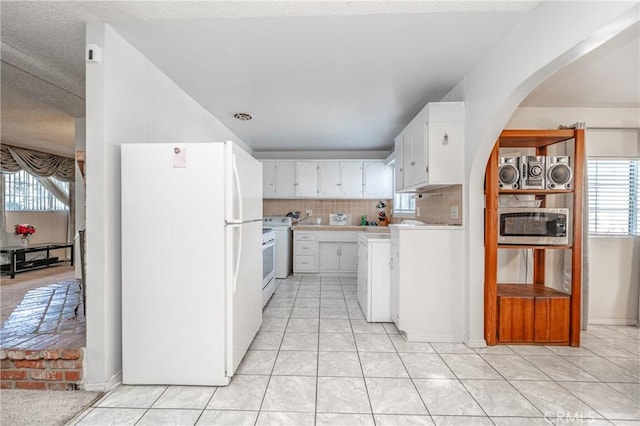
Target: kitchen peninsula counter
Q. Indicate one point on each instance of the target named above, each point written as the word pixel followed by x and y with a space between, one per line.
pixel 309 227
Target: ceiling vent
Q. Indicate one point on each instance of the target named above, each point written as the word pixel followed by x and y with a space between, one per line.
pixel 242 116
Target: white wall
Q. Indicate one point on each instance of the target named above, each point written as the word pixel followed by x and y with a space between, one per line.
pixel 614 262
pixel 127 100
pixel 550 37
pixel 80 145
pixel 51 226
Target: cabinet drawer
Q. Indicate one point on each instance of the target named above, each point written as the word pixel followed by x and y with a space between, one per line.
pixel 306 248
pixel 305 263
pixel 305 236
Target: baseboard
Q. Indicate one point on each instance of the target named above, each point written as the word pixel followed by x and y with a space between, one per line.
pixel 613 321
pixel 105 386
pixel 476 343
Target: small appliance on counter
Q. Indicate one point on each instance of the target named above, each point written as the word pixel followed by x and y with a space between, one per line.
pixel 340 219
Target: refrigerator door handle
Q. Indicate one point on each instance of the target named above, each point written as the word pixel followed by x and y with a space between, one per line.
pixel 238 188
pixel 236 268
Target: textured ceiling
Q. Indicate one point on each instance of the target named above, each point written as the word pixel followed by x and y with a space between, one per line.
pixel 339 92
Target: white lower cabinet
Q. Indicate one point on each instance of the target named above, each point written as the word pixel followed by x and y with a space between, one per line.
pixel 427 273
pixel 332 253
pixel 305 252
pixel 336 257
pixel 374 276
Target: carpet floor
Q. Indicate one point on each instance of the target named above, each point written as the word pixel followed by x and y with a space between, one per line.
pixel 34 407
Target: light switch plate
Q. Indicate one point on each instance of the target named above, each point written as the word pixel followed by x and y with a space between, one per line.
pixel 454 212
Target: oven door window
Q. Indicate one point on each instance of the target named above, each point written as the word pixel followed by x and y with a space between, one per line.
pixel 268 256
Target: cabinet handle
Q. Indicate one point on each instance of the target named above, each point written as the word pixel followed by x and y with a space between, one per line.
pixel 413 163
pixel 305 263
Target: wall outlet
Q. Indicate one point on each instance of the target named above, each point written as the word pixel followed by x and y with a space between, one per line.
pixel 454 212
pixel 309 212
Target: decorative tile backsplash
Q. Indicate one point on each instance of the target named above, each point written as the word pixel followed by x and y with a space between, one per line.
pixel 323 208
pixel 435 206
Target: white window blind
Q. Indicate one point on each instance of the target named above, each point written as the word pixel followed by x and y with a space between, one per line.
pixel 404 204
pixel 614 196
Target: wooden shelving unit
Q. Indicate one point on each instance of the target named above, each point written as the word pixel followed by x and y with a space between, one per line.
pixel 533 313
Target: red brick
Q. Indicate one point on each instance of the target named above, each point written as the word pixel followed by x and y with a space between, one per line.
pixel 71 364
pixel 6 364
pixel 6 384
pixel 70 354
pixel 31 385
pixel 46 375
pixel 51 354
pixel 15 354
pixel 13 374
pixel 72 376
pixel 29 364
pixel 30 354
pixel 61 386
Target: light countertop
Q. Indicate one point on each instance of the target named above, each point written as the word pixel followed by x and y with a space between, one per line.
pixel 371 229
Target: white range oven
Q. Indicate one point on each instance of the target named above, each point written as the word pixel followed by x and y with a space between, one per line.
pixel 268 264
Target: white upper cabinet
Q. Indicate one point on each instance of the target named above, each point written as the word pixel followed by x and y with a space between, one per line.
pixel 285 179
pixel 398 165
pixel 351 179
pixel 331 179
pixel 268 179
pixel 378 180
pixel 306 179
pixel 279 178
pixel 432 147
pixel 340 179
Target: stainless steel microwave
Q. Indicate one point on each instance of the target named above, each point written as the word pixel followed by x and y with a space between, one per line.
pixel 533 226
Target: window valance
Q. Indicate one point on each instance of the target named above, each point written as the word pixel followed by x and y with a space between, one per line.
pixel 37 163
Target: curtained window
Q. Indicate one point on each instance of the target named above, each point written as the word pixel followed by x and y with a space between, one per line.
pixel 24 192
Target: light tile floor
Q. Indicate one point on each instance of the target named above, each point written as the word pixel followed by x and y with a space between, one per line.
pixel 316 361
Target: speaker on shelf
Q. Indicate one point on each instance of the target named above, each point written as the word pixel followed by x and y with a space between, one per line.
pixel 559 174
pixel 508 173
pixel 532 172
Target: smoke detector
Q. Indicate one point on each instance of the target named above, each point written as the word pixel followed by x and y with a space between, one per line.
pixel 242 116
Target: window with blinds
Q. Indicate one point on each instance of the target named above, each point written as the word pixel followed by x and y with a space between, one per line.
pixel 23 192
pixel 614 196
pixel 404 204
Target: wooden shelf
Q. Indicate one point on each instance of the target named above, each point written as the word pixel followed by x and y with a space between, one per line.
pixel 533 138
pixel 546 247
pixel 532 313
pixel 534 191
pixel 529 290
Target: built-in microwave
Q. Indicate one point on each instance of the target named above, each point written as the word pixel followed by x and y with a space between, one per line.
pixel 533 226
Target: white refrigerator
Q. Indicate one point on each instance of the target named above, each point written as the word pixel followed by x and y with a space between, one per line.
pixel 191 261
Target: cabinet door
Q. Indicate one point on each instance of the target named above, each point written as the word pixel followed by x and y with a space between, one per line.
pixel 363 277
pixel 351 179
pixel 329 179
pixel 378 180
pixel 444 154
pixel 398 163
pixel 306 179
pixel 551 323
pixel 394 294
pixel 268 179
pixel 329 258
pixel 415 153
pixel 348 256
pixel 285 179
pixel 515 319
